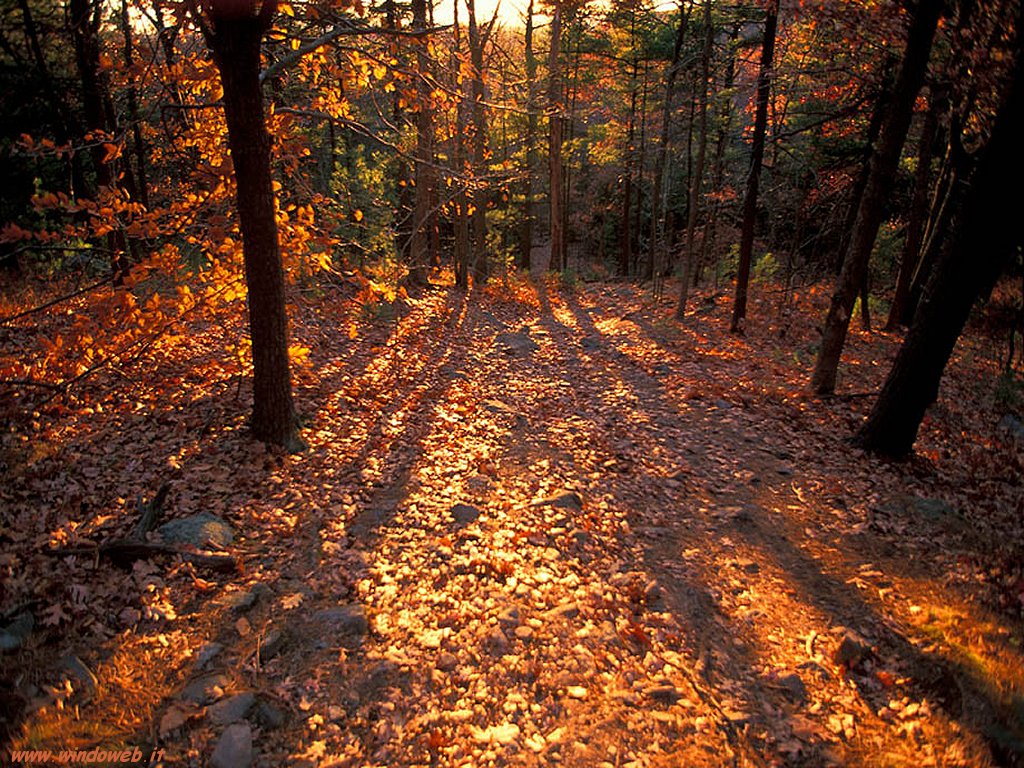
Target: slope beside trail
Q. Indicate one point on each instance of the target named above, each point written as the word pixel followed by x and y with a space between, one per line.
pixel 550 527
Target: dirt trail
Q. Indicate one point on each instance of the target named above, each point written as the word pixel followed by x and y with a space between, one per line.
pixel 551 527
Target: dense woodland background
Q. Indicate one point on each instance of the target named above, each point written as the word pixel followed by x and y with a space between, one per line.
pixel 555 383
pixel 373 146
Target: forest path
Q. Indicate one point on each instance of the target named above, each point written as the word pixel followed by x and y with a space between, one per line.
pixel 537 525
pixel 587 545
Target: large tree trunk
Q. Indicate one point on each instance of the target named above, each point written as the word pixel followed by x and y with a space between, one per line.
pixel 481 265
pixel 422 219
pixel 234 37
pixel 555 126
pixel 653 271
pixel 689 266
pixel 764 85
pixel 881 174
pixel 526 225
pixel 986 231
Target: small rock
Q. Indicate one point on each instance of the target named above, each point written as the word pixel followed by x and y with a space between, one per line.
pixel 793 686
pixel 1011 424
pixel 198 530
pixel 524 632
pixel 495 642
pixel 852 650
pixel 348 621
pixel 747 566
pixel 268 716
pixel 14 634
pixel 664 694
pixel 206 689
pixel 241 601
pixel 464 514
pixel 234 748
pixel 85 676
pixel 563 500
pixel 496 406
pixel 231 709
pixel 518 343
pixel 566 610
pixel 207 652
pixel 576 692
pixel 446 662
pixel 509 617
pixel 271 644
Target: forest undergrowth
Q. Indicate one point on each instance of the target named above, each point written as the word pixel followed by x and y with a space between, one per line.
pixel 539 524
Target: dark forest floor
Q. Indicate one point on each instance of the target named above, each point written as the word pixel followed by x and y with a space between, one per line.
pixel 542 525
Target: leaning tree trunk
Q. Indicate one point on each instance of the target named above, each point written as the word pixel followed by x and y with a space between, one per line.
pixel 739 310
pixel 234 38
pixel 881 174
pixel 918 209
pixel 986 231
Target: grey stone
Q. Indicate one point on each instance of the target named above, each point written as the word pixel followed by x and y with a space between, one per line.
pixel 85 676
pixel 509 617
pixel 566 611
pixel 234 748
pixel 207 653
pixel 793 686
pixel 852 650
pixel 231 709
pixel 347 621
pixel 17 631
pixel 198 530
pixel 241 601
pixel 664 694
pixel 271 644
pixel 936 512
pixel 206 689
pixel 562 500
pixel 269 716
pixel 446 662
pixel 518 343
pixel 464 514
pixel 495 642
pixel 1011 424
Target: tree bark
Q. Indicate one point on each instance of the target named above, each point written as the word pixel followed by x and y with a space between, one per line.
pixel 698 171
pixel 526 225
pixel 918 209
pixel 764 84
pixel 422 218
pixel 881 174
pixel 986 231
pixel 234 37
pixel 481 265
pixel 661 158
pixel 555 126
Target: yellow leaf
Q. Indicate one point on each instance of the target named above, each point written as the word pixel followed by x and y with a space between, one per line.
pixel 353 331
pixel 357 215
pixel 287 10
pixel 298 354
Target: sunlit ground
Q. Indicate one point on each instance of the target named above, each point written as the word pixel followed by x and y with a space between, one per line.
pixel 580 533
